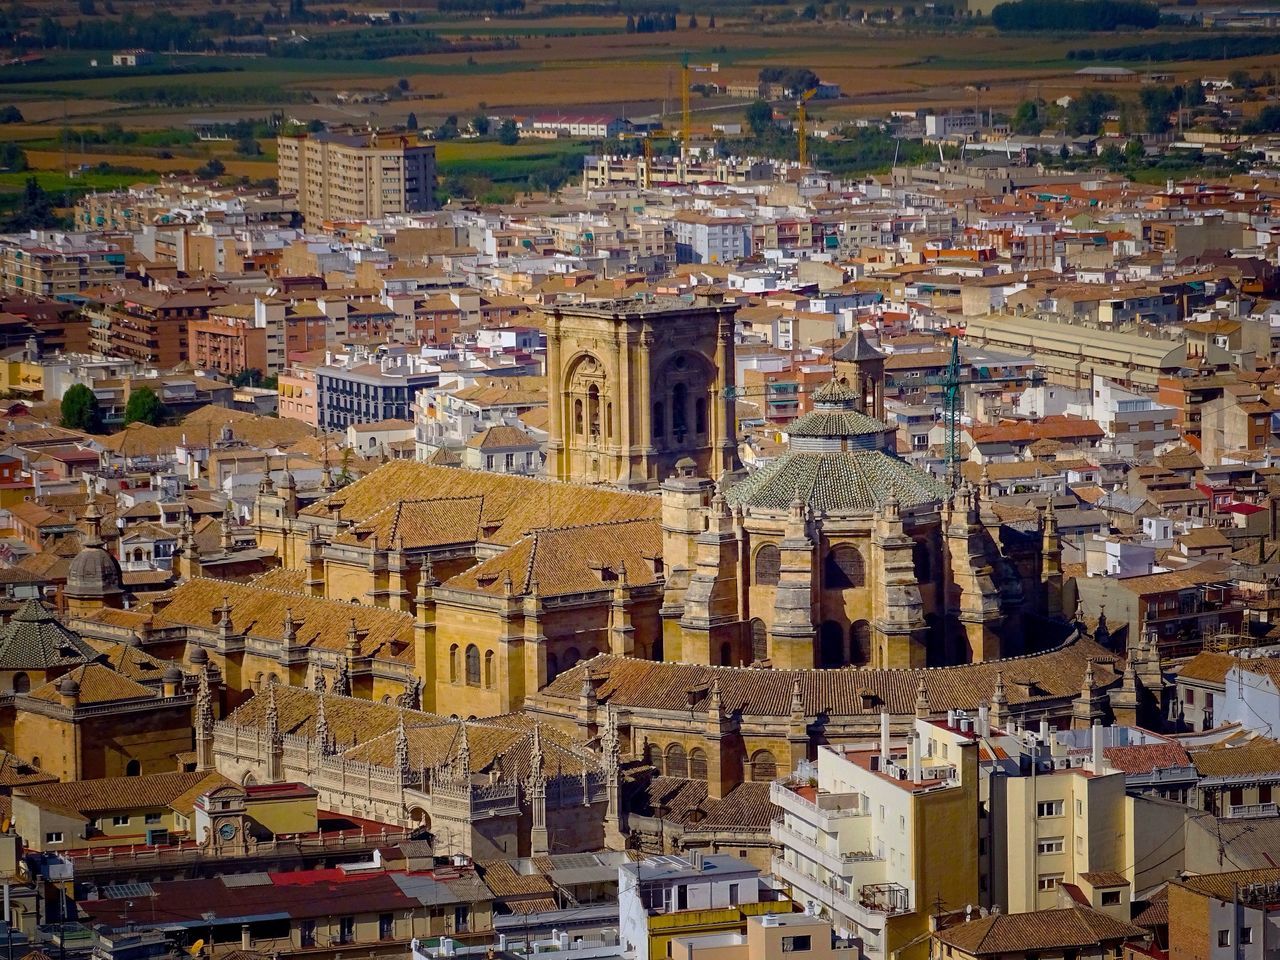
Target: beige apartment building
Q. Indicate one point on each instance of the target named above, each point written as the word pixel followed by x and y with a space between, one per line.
pixel 356 177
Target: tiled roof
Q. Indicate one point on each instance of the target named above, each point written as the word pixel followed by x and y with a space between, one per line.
pixel 1257 756
pixel 89 798
pixel 34 639
pixel 837 482
pixel 420 523
pixel 825 423
pixel 1105 878
pixel 571 560
pixel 501 437
pixel 98 684
pixel 501 877
pixel 1225 886
pixel 1147 757
pixel 259 610
pixel 1015 933
pixel 628 682
pixel 1208 667
pixel 513 505
pixel 366 731
pixel 129 661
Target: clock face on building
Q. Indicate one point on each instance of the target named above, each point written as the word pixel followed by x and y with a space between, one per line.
pixel 227 830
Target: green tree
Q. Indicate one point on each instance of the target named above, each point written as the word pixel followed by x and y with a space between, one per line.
pixel 1028 120
pixel 212 170
pixel 10 114
pixel 411 122
pixel 693 21
pixel 248 147
pixel 144 406
pixel 1157 104
pixel 80 409
pixel 759 116
pixel 1134 152
pixel 711 22
pixel 508 133
pixel 480 124
pixel 12 157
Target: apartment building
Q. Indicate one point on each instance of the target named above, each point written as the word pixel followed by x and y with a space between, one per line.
pixel 356 177
pixel 872 833
pixel 365 387
pixel 45 263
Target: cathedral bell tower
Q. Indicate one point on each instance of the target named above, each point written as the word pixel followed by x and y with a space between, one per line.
pixel 637 385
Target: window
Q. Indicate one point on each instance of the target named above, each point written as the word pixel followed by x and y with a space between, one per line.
pixel 151 818
pixel 677 763
pixel 307 933
pixel 796 944
pixel 453 664
pixel 386 926
pixel 119 821
pixel 1264 793
pixel 1049 808
pixel 1110 898
pixel 1079 808
pixel 844 568
pixel 1049 845
pixel 768 565
pixel 1224 938
pixel 53 837
pixel 346 929
pixel 697 764
pixel 489 678
pixel 21 683
pixel 733 894
pixel 1191 698
pixel 1048 881
pixel 1246 935
pixel 473 665
pixel 764 768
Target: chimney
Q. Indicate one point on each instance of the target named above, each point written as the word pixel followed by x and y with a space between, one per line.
pixel 1096 757
pixel 1044 731
pixel 951 719
pixel 246 938
pixel 884 738
pixel 984 721
pixel 913 756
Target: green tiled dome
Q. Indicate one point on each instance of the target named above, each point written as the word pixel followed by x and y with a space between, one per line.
pixel 837 482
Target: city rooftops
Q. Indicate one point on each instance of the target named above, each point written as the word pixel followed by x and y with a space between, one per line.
pixel 669 868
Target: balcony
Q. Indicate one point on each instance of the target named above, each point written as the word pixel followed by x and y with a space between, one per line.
pixel 1250 811
pixel 838 863
pixel 867 912
pixel 829 807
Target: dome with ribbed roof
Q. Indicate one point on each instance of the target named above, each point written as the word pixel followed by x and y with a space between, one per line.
pixel 836 424
pixel 841 482
pixel 94 574
pixel 34 639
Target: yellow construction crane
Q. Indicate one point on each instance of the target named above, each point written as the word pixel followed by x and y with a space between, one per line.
pixel 803 128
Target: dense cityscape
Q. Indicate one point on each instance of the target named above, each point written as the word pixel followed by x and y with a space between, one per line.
pixel 814 493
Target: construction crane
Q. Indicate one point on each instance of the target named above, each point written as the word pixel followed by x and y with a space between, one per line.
pixel 647 180
pixel 802 126
pixel 952 382
pixel 685 110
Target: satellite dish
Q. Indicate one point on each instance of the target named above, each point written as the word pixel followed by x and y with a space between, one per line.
pixel 195 948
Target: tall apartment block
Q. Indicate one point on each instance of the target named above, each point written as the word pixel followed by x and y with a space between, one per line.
pixel 340 176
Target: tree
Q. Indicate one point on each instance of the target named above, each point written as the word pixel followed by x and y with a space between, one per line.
pixel 80 409
pixel 480 124
pixel 693 21
pixel 759 116
pixel 12 157
pixel 212 170
pixel 631 23
pixel 508 133
pixel 248 147
pixel 411 122
pixel 403 85
pixel 1027 119
pixel 1157 103
pixel 1134 152
pixel 10 114
pixel 144 406
pixel 711 22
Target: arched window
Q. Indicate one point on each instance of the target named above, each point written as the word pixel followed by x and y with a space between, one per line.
pixel 726 654
pixel 133 768
pixel 763 767
pixel 700 416
pixel 137 553
pixel 489 678
pixel 453 664
pixel 759 641
pixel 831 642
pixel 768 565
pixel 697 764
pixel 860 643
pixel 923 563
pixel 679 411
pixel 577 417
pixel 844 568
pixel 571 657
pixel 473 665
pixel 593 409
pixel 553 667
pixel 677 764
pixel 653 757
pixel 21 683
pixel 659 419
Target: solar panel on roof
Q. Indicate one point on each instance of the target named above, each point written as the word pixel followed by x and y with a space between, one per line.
pixel 257 879
pixel 119 891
